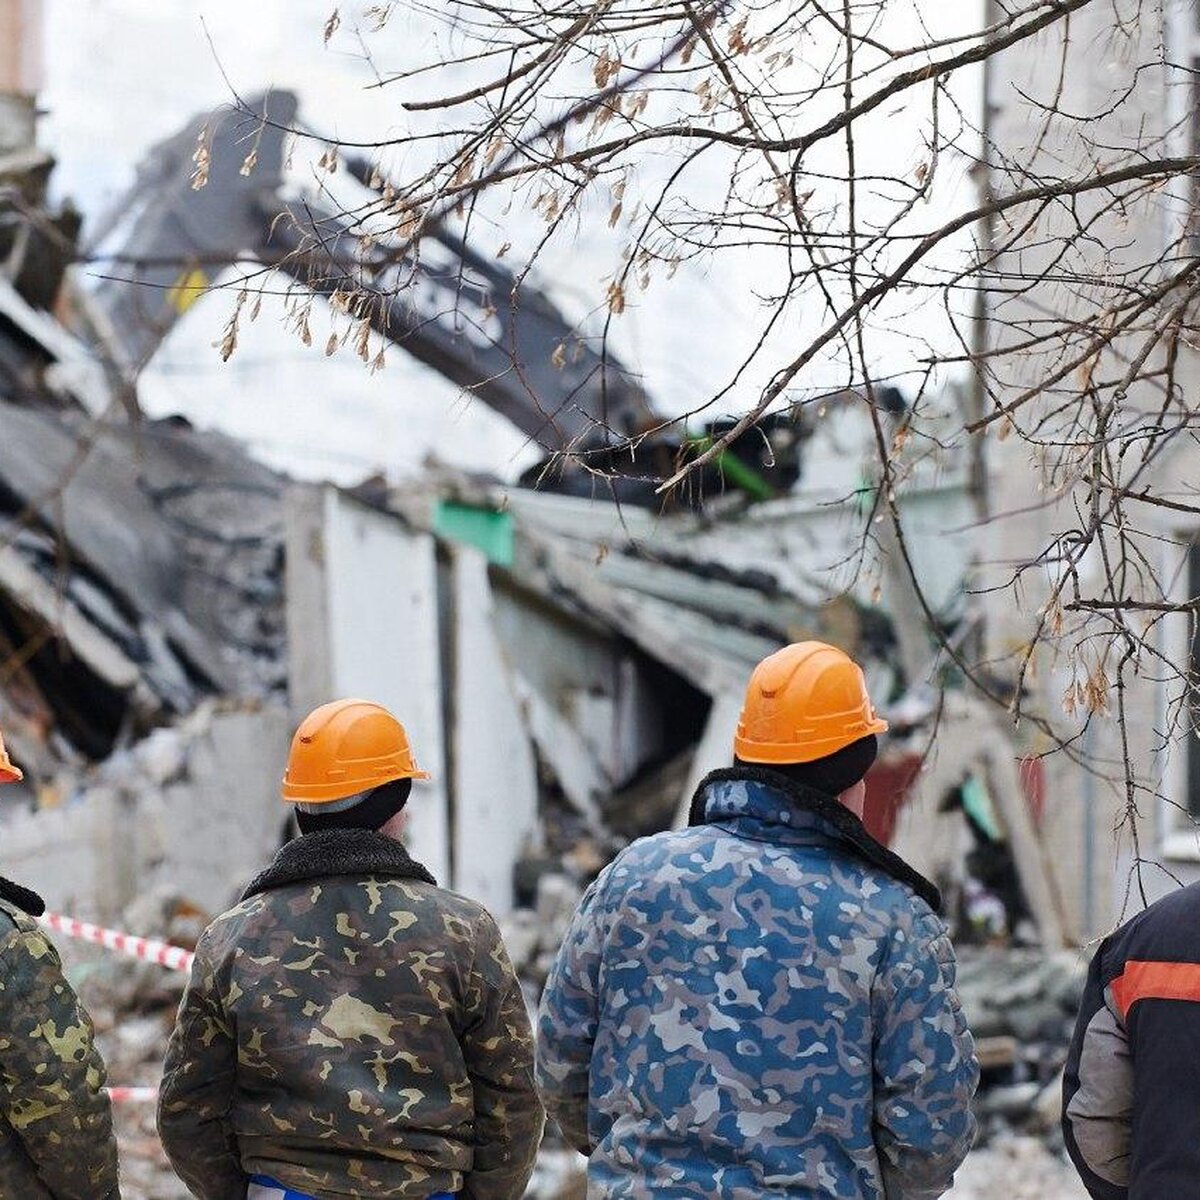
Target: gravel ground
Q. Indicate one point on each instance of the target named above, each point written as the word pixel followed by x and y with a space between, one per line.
pixel 1020 1168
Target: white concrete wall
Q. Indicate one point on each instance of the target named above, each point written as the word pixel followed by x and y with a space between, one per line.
pixel 382 598
pixel 200 827
pixel 223 822
pixel 495 775
pixel 66 855
pixel 1114 82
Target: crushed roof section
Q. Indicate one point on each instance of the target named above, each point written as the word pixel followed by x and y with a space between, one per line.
pixel 38 356
pixel 165 540
pixel 671 584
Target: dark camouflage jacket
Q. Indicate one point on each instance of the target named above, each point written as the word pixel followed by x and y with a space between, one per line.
pixel 759 1006
pixel 56 1138
pixel 350 1029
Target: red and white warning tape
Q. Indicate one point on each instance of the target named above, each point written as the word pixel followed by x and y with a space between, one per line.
pixel 174 958
pixel 132 1095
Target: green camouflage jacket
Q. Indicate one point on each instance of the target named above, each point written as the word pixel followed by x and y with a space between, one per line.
pixel 350 1029
pixel 56 1138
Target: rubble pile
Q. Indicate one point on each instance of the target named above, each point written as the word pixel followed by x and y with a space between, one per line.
pixel 157 814
pixel 1016 1168
pixel 133 1045
pixel 533 935
pixel 1020 1004
pixel 133 1008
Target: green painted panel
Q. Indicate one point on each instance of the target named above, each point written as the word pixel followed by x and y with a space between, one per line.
pixel 483 528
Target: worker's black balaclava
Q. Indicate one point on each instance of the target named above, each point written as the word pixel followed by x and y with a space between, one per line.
pixel 376 808
pixel 833 774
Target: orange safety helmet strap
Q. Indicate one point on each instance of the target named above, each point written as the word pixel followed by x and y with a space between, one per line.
pixel 9 772
pixel 347 747
pixel 804 702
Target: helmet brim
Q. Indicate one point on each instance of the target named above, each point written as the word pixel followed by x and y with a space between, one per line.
pixel 293 793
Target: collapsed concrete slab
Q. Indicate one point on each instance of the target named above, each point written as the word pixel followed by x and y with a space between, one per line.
pixel 194 808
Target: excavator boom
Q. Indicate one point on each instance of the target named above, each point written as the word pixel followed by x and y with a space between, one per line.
pixel 467 317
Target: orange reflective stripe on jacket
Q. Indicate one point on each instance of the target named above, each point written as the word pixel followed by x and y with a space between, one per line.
pixel 1155 981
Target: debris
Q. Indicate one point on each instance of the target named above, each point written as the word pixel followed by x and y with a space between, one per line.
pixel 162 756
pixel 1021 1006
pixel 1016 1168
pixel 993 1052
pixel 558 1175
pixel 557 899
pixel 1012 1101
pixel 649 803
pixel 522 937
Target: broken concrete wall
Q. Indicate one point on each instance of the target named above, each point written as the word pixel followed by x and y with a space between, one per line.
pixel 714 750
pixel 363 622
pixel 494 770
pixel 592 707
pixel 222 818
pixel 140 574
pixel 512 701
pixel 67 855
pixel 194 809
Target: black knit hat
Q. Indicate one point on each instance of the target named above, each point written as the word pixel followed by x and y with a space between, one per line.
pixel 833 774
pixel 373 811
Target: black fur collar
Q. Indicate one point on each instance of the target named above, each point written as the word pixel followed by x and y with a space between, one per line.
pixel 22 898
pixel 847 826
pixel 337 852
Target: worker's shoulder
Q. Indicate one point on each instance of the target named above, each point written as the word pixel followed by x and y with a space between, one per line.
pixel 27 955
pixel 694 843
pixel 1168 929
pixel 691 849
pixel 12 937
pixel 842 871
pixel 1182 904
pixel 12 920
pixel 17 921
pixel 879 887
pixel 319 901
pixel 445 904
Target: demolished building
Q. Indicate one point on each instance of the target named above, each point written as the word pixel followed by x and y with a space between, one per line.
pixel 574 666
pixel 143 651
pixel 570 665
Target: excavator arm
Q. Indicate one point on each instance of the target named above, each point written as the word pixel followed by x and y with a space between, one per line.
pixel 220 192
pixel 168 239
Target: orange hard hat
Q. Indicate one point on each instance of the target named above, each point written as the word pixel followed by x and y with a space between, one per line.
pixel 804 702
pixel 346 747
pixel 8 772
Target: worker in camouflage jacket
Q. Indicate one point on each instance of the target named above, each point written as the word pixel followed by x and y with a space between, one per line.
pixel 350 1029
pixel 56 1137
pixel 763 1004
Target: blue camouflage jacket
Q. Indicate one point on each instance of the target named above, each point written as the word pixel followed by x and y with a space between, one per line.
pixel 753 1007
